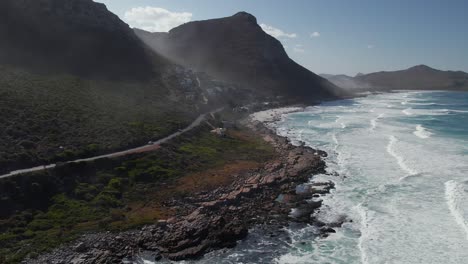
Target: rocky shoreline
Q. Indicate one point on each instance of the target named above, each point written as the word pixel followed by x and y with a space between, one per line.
pixel 219 218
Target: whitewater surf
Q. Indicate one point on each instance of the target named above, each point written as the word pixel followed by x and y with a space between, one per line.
pixel 401 178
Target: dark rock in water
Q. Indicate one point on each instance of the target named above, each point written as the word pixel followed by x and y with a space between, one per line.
pixel 315 189
pixel 304 210
pixel 338 222
pixel 327 229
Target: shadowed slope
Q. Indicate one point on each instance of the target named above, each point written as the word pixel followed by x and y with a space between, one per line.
pixel 74 36
pixel 236 49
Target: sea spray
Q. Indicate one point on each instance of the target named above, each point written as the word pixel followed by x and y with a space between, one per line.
pixel 454 192
pixel 401 161
pixel 364 229
pixel 421 132
pixel 407 111
pixel 373 122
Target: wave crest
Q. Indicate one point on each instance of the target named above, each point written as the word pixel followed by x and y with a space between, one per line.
pixel 421 132
pixel 454 194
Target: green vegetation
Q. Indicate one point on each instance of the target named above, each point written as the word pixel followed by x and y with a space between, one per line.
pixel 40 211
pixel 49 118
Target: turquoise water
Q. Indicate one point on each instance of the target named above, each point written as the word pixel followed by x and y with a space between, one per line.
pixel 400 162
pixel 403 165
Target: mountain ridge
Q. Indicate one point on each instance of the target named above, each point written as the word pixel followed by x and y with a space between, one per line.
pixel 236 49
pixel 419 77
pixel 73 36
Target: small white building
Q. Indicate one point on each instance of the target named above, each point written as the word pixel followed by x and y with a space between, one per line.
pixel 219 131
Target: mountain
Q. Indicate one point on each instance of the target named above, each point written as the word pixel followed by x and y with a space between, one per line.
pixel 75 81
pixel 419 77
pixel 236 49
pixel 73 36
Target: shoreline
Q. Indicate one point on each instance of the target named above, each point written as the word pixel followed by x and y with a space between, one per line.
pixel 222 216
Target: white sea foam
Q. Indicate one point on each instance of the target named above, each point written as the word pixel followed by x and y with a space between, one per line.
pixel 273 114
pixel 299 135
pixel 413 103
pixel 396 219
pixel 373 122
pixel 407 111
pixel 294 259
pixel 335 140
pixel 422 132
pixel 454 194
pixel 451 111
pixel 364 229
pixel 338 118
pixel 401 161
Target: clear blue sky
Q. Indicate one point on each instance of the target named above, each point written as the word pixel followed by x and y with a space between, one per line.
pixel 352 36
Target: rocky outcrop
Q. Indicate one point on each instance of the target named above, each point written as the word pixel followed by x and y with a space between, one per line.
pixel 219 218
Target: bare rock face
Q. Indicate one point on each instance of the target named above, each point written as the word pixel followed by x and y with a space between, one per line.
pixel 236 49
pixel 72 36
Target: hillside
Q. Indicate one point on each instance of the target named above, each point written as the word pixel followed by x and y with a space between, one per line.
pixel 235 49
pixel 75 81
pixel 71 36
pixel 419 77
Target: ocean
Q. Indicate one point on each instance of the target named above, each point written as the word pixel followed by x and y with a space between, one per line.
pixel 400 165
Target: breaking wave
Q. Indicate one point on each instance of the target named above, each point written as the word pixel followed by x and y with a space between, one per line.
pixel 422 132
pixel 454 193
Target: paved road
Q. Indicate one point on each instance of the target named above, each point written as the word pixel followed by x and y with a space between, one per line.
pixel 145 148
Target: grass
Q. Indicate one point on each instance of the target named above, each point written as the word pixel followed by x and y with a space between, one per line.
pixel 119 194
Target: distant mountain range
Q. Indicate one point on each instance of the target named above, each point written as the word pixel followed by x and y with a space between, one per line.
pixel 419 77
pixel 236 49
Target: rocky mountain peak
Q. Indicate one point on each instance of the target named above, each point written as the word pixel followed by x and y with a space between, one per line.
pixel 421 67
pixel 236 49
pixel 245 16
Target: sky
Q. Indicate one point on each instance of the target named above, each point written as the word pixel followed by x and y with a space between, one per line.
pixel 332 36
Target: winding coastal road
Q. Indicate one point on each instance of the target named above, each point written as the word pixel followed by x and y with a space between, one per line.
pixel 149 147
